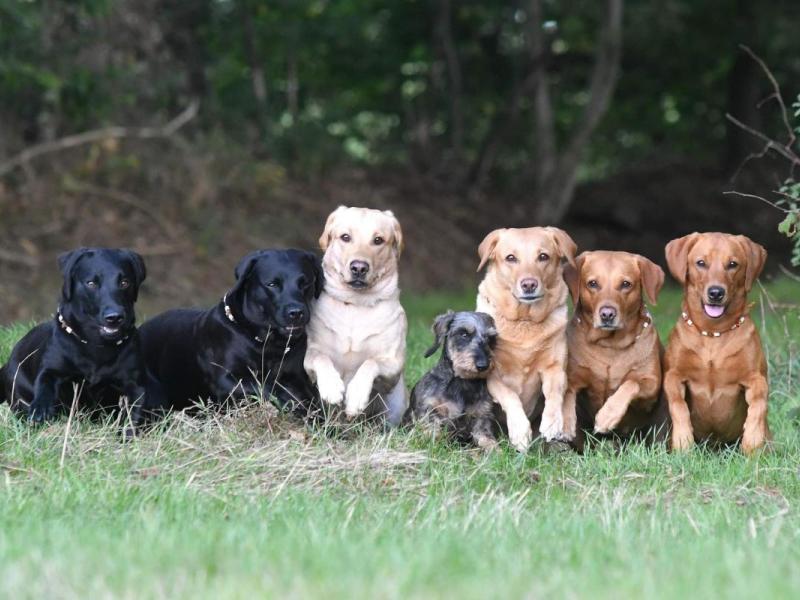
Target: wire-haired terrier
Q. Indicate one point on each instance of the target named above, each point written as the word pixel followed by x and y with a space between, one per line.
pixel 452 397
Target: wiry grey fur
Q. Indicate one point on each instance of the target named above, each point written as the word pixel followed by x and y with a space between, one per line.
pixel 452 398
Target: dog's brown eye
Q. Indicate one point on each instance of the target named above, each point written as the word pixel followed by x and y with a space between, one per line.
pixel 377 240
pixel 91 284
pixel 544 257
pixel 124 284
pixel 464 335
pixel 626 284
pixel 701 263
pixel 272 284
pixel 345 237
pixel 733 264
pixel 592 283
pixel 511 258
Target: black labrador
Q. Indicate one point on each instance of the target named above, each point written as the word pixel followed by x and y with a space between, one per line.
pixel 91 343
pixel 252 343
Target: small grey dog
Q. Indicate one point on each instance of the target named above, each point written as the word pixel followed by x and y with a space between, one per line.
pixel 452 397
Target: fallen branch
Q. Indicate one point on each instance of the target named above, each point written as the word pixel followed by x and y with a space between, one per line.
pixel 96 135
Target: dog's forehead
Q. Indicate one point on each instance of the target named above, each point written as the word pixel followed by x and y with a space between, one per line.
pixel 276 264
pixel 363 219
pixel 605 263
pixel 716 244
pixel 529 239
pixel 102 262
pixel 478 322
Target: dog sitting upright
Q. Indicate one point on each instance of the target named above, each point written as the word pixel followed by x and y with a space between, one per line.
pixel 524 291
pixel 91 343
pixel 357 332
pixel 715 371
pixel 453 395
pixel 614 364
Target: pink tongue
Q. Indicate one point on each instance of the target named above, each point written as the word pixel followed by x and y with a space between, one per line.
pixel 714 311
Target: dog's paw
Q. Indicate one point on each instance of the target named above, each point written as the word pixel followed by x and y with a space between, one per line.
pixel 40 412
pixel 607 418
pixel 552 427
pixel 331 390
pixel 682 441
pixel 359 392
pixel 752 443
pixel 485 442
pixel 520 434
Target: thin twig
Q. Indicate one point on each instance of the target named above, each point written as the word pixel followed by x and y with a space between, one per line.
pixel 96 135
pixel 764 200
pixel 76 393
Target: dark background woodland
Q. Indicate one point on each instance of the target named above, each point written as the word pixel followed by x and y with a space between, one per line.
pixel 229 125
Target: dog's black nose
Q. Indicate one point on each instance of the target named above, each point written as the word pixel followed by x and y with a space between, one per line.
pixel 112 318
pixel 716 293
pixel 608 314
pixel 529 285
pixel 481 364
pixel 359 268
pixel 295 314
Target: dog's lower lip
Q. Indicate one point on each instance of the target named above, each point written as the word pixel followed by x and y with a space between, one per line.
pixel 109 330
pixel 528 299
pixel 357 283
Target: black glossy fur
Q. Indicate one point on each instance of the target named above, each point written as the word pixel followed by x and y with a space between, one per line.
pixel 452 397
pixel 102 355
pixel 201 355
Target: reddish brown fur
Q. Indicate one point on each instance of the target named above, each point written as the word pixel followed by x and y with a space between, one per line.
pixel 716 387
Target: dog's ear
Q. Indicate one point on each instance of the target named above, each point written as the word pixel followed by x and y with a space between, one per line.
pixel 67 262
pixel 397 233
pixel 139 270
pixel 652 277
pixel 441 325
pixel 677 254
pixel 319 274
pixel 487 246
pixel 572 277
pixel 756 257
pixel 565 244
pixel 243 270
pixel 325 238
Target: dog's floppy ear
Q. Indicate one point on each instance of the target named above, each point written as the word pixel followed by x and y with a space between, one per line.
pixel 652 277
pixel 67 263
pixel 325 238
pixel 139 270
pixel 441 325
pixel 756 257
pixel 243 270
pixel 572 277
pixel 565 244
pixel 487 246
pixel 319 274
pixel 677 254
pixel 397 233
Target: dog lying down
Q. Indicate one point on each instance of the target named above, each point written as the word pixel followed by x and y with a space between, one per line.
pixel 452 398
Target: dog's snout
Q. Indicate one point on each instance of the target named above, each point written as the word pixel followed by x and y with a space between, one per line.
pixel 295 314
pixel 529 285
pixel 608 314
pixel 359 268
pixel 482 363
pixel 113 318
pixel 716 293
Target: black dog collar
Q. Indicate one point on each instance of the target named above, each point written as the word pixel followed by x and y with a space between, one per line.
pixel 62 322
pixel 229 314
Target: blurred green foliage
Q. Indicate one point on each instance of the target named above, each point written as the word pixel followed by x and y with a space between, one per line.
pixel 314 83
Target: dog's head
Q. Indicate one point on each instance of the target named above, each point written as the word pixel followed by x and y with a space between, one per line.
pixel 527 262
pixel 361 246
pixel 99 290
pixel 274 289
pixel 717 270
pixel 608 288
pixel 469 339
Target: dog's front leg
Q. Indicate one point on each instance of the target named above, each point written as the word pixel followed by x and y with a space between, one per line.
pixel 614 409
pixel 45 389
pixel 554 384
pixel 675 391
pixel 131 403
pixel 756 429
pixel 320 369
pixel 359 390
pixel 569 412
pixel 519 426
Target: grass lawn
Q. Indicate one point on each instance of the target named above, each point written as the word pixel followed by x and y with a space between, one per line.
pixel 252 505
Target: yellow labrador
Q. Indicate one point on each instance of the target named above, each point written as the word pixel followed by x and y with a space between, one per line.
pixel 357 332
pixel 525 292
